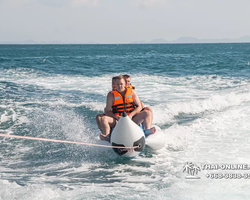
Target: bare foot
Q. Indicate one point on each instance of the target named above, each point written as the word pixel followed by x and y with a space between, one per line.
pixel 150 131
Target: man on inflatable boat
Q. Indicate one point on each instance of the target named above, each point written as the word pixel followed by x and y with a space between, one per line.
pixel 115 107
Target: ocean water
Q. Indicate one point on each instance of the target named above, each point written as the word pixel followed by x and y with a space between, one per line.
pixel 200 95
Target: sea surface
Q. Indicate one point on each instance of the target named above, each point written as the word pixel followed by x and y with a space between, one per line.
pixel 200 95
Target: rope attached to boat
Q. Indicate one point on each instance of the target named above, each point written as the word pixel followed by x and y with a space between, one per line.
pixel 64 141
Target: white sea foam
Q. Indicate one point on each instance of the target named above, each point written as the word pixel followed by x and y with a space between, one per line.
pixel 205 119
pixel 4 117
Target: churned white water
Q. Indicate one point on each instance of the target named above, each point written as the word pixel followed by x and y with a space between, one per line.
pixel 205 119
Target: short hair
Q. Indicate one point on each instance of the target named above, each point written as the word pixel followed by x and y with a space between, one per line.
pixel 126 76
pixel 120 77
pixel 114 78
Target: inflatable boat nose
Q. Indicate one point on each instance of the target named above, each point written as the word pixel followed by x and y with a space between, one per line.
pixel 124 114
pixel 129 136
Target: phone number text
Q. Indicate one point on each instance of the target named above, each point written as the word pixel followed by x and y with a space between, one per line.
pixel 228 175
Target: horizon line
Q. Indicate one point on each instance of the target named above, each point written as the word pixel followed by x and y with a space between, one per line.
pixel 229 42
pixel 180 40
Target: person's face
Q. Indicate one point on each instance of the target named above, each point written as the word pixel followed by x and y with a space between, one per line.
pixel 120 85
pixel 128 82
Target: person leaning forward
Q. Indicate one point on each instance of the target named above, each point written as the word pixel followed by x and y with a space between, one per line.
pixel 113 109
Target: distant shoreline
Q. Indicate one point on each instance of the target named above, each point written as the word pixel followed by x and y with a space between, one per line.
pixel 181 40
pixel 125 43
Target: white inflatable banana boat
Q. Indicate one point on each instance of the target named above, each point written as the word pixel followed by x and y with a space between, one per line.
pixel 129 135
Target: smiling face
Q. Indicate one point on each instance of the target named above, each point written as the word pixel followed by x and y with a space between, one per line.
pixel 120 85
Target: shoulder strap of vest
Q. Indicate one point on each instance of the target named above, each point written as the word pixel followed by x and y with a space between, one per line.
pixel 128 89
pixel 113 92
pixel 131 87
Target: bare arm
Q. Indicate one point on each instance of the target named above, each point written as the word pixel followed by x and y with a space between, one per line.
pixel 108 108
pixel 142 104
pixel 137 102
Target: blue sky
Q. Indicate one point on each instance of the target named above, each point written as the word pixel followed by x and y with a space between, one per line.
pixel 121 21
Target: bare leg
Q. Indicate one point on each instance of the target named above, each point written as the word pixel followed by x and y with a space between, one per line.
pixel 140 117
pixel 145 117
pixel 147 123
pixel 106 123
pixel 98 119
pixel 151 130
pixel 151 110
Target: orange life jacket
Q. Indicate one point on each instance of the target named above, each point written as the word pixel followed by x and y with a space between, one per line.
pixel 131 87
pixel 123 104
